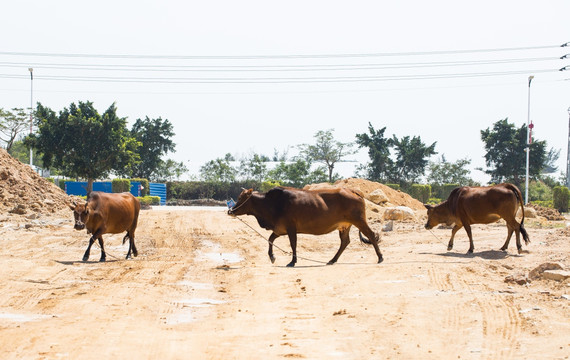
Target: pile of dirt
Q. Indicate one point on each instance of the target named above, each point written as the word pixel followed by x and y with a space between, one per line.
pixel 24 192
pixel 366 187
pixel 547 213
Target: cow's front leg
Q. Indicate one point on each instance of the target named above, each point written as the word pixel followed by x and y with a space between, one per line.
pixel 293 240
pixel 103 255
pixel 468 231
pixel 453 232
pixel 86 255
pixel 270 252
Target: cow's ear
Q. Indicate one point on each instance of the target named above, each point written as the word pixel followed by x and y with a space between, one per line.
pixel 428 206
pixel 72 206
pixel 249 191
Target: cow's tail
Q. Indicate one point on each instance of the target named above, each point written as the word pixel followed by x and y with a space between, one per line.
pixel 518 194
pixel 364 240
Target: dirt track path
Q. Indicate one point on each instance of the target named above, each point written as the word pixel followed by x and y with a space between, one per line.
pixel 204 288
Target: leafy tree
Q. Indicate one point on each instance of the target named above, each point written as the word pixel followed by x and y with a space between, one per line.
pixel 444 172
pixel 254 167
pixel 505 154
pixel 12 124
pixel 380 166
pixel 83 143
pixel 411 159
pixel 297 173
pixel 155 136
pixel 170 169
pixel 326 150
pixel 218 170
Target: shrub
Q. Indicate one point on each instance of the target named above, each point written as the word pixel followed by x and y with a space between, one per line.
pixel 560 196
pixel 393 186
pixel 268 185
pixel 421 192
pixel 121 185
pixel 149 200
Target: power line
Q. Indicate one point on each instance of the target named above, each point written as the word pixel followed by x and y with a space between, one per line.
pixel 268 68
pixel 291 56
pixel 268 80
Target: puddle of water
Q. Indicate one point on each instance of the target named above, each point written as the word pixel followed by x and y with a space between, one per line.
pixel 195 285
pixel 198 302
pixel 21 317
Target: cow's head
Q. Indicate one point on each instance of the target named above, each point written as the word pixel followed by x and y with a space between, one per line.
pixel 438 215
pixel 81 214
pixel 239 208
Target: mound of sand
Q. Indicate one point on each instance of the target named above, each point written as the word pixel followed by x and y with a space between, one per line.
pixel 366 188
pixel 24 192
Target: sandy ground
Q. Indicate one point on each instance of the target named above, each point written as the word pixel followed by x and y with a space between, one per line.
pixel 203 288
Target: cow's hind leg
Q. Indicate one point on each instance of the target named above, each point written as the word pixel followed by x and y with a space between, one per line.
pixel 86 255
pixel 272 238
pixel 293 240
pixel 372 238
pixel 103 255
pixel 509 235
pixel 344 241
pixel 132 246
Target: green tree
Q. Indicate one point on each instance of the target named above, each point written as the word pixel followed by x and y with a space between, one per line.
pixel 380 166
pixel 83 143
pixel 169 170
pixel 505 154
pixel 444 172
pixel 155 136
pixel 326 150
pixel 12 124
pixel 411 159
pixel 254 167
pixel 297 173
pixel 218 170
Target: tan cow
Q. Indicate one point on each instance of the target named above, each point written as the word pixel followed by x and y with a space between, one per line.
pixel 480 205
pixel 290 211
pixel 107 213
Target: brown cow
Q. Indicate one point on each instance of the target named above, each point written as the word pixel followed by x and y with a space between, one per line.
pixel 480 205
pixel 289 211
pixel 106 213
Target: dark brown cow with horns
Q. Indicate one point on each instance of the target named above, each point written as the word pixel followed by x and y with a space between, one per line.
pixel 106 213
pixel 290 211
pixel 480 205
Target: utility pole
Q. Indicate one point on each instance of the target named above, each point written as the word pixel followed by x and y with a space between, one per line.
pixel 568 154
pixel 31 112
pixel 527 142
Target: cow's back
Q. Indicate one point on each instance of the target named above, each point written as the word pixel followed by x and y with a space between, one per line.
pixel 118 212
pixel 318 211
pixel 485 204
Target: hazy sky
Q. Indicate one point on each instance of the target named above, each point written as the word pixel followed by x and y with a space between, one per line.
pixel 259 76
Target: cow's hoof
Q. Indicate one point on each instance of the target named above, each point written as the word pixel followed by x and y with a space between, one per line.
pixel 470 252
pixel 380 260
pixel 85 258
pixel 291 264
pixel 449 248
pixel 520 250
pixel 503 249
pixel 102 259
pixel 331 262
pixel 272 258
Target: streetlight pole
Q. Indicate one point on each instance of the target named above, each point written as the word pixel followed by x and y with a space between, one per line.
pixel 527 142
pixel 568 154
pixel 31 111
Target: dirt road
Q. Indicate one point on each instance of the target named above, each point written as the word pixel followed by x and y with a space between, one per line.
pixel 203 288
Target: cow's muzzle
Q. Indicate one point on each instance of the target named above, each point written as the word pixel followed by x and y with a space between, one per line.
pixel 428 226
pixel 79 226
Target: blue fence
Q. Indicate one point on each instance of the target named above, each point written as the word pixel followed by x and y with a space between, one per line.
pixel 159 190
pixel 79 188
